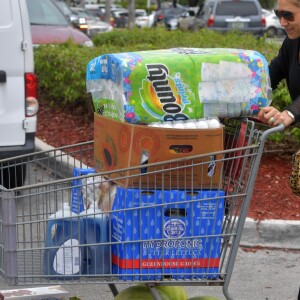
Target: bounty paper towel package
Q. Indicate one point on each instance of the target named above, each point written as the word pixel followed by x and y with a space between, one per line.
pixel 178 84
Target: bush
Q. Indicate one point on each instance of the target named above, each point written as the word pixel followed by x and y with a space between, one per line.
pixel 61 73
pixel 158 38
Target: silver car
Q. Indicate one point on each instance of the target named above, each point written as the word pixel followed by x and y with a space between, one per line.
pixel 93 22
pixel 243 15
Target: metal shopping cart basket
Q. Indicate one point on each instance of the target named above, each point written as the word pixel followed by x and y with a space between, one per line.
pixel 153 225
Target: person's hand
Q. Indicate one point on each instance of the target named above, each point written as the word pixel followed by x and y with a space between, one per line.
pixel 274 117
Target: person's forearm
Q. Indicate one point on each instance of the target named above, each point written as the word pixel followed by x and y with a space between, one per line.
pixel 294 108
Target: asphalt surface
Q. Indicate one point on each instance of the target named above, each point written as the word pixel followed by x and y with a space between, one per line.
pixel 263 274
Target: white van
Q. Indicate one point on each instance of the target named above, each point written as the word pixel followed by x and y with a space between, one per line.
pixel 18 89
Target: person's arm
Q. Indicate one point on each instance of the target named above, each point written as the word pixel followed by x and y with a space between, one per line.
pixel 276 69
pixel 294 109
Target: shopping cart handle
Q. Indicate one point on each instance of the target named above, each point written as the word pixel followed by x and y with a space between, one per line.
pixel 277 128
pixel 256 120
pixel 280 126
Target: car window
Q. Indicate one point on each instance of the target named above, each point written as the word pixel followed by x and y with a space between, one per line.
pixel 82 14
pixel 137 14
pixel 176 10
pixel 140 13
pixel 63 6
pixel 44 12
pixel 235 8
pixel 207 9
pixel 91 16
pixel 123 14
pixel 87 15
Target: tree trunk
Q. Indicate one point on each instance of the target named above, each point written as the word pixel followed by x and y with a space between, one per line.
pixel 158 4
pixel 131 14
pixel 107 11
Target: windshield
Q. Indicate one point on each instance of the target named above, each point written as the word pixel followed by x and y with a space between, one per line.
pixel 86 14
pixel 63 6
pixel 44 12
pixel 81 13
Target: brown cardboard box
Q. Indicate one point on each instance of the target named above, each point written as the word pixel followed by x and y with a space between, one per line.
pixel 120 145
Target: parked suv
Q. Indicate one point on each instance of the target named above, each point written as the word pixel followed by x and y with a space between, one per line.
pixel 18 89
pixel 225 15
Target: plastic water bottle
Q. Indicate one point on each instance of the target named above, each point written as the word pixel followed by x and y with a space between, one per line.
pixel 97 255
pixel 63 255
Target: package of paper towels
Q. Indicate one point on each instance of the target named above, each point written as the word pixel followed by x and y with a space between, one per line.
pixel 179 84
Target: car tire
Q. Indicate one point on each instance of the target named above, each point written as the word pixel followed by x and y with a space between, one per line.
pixel 11 177
pixel 271 32
pixel 192 28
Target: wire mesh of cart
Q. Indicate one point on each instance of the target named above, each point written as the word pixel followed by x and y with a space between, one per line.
pixel 176 222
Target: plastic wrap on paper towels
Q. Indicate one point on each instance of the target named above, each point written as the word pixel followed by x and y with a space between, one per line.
pixel 179 84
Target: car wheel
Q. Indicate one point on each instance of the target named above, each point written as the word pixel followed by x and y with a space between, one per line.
pixel 192 28
pixel 271 31
pixel 11 177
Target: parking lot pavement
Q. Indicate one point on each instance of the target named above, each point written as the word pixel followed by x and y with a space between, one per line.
pixel 258 274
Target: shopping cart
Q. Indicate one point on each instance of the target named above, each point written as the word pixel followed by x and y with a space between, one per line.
pixel 173 233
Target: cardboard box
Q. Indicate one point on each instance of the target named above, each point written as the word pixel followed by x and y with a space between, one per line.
pixel 160 234
pixel 119 145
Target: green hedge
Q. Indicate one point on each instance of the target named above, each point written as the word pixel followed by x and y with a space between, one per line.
pixel 61 69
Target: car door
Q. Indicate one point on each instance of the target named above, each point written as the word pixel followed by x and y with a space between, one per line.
pixel 12 69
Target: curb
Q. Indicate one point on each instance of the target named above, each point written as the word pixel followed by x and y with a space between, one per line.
pixel 42 146
pixel 281 234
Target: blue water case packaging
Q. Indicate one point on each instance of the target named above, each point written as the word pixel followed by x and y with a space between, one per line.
pixel 77 205
pixel 159 234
